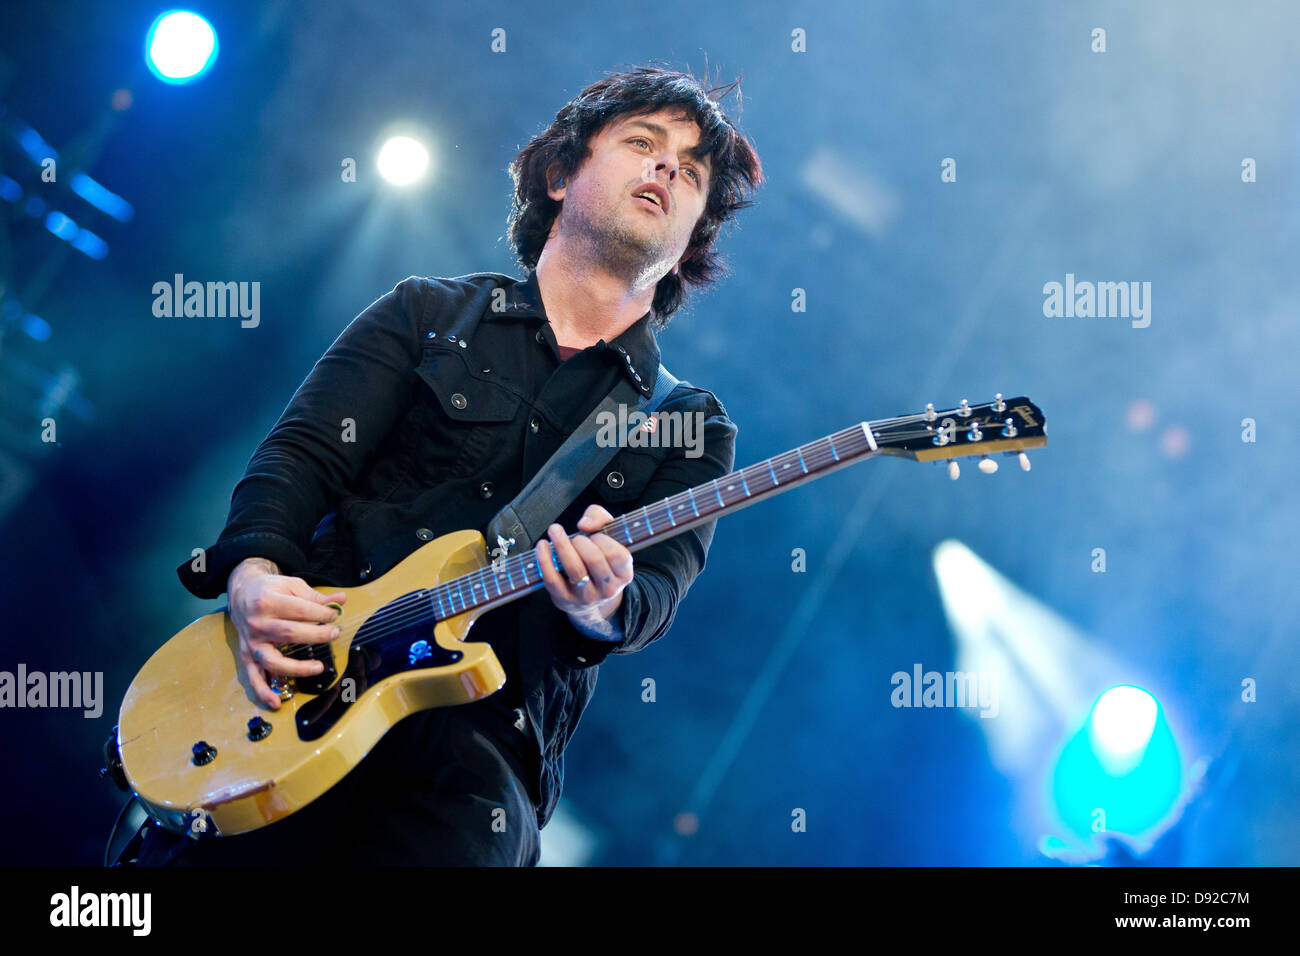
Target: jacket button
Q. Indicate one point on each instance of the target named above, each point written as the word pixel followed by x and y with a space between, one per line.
pixel 459 400
pixel 538 335
pixel 485 490
pixel 365 572
pixel 424 534
pixel 532 425
pixel 615 479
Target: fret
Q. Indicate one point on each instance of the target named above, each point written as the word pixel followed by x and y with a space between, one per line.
pixel 743 484
pixel 694 509
pixel 799 452
pixel 834 453
pixel 718 492
pixel 649 527
pixel 771 472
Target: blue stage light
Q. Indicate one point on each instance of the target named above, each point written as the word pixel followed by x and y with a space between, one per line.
pixel 180 47
pixel 103 199
pixel 34 145
pixel 59 224
pixel 36 327
pixel 1121 772
pixel 87 242
pixel 10 191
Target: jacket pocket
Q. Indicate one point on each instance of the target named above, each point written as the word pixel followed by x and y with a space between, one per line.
pixel 624 478
pixel 466 416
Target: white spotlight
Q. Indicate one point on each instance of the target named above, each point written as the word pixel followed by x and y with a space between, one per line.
pixel 403 160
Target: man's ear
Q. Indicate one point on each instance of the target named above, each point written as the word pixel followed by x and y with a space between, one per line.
pixel 556 186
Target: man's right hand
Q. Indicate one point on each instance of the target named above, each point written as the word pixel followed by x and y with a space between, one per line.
pixel 268 609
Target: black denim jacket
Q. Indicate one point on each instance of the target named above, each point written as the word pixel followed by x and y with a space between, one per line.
pixel 398 436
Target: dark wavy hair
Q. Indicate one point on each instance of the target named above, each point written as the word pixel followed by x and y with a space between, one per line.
pixel 736 169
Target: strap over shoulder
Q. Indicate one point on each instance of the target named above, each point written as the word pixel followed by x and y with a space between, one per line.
pixel 558 483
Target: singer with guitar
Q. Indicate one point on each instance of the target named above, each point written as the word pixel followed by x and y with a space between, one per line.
pixel 406 431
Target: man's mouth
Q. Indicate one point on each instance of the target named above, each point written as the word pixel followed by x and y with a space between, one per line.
pixel 652 197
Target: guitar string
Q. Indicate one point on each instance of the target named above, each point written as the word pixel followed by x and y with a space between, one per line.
pixel 418 606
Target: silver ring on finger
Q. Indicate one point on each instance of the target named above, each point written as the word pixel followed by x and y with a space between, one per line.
pixel 586 578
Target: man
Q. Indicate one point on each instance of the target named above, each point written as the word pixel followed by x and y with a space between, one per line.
pixel 399 435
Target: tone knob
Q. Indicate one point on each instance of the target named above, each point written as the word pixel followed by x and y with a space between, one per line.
pixel 203 753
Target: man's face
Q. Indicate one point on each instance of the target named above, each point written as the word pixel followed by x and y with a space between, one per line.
pixel 602 208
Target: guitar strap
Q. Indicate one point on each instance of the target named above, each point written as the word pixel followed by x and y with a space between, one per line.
pixel 561 480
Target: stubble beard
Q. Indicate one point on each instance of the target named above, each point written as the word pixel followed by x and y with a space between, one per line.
pixel 620 247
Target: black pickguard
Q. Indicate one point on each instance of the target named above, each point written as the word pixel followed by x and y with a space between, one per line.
pixel 371 658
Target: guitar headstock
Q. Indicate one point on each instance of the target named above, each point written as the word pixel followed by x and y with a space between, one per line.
pixel 1008 426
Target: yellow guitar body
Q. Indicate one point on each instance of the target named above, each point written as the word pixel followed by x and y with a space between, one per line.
pixel 194 689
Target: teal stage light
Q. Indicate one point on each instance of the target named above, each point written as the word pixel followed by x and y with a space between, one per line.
pixel 1121 771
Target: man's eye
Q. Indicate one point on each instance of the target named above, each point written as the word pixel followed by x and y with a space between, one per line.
pixel 696 175
pixel 640 140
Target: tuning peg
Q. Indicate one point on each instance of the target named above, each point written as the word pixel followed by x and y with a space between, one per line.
pixel 929 412
pixel 1024 461
pixel 964 411
pixel 975 434
pixel 1010 430
pixel 954 470
pixel 998 404
pixel 988 465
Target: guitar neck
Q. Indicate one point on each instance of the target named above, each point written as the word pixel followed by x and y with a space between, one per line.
pixel 516 576
pixel 1000 426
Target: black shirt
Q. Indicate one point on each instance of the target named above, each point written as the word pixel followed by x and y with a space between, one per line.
pixel 398 436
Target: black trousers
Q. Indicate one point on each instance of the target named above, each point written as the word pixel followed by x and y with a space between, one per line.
pixel 441 788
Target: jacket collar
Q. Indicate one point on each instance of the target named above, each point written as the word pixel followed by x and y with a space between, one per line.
pixel 636 351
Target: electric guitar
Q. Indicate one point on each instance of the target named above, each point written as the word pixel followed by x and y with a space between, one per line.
pixel 203 755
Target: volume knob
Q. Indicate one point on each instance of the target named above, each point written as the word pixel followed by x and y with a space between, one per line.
pixel 258 728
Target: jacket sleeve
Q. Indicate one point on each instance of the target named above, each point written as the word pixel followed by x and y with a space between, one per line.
pixel 332 426
pixel 664 572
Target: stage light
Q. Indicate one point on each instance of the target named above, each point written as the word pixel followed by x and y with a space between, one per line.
pixel 61 226
pixel 1120 727
pixel 180 47
pixel 100 197
pixel 87 242
pixel 403 160
pixel 1121 772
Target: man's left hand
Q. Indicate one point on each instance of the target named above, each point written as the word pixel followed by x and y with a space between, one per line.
pixel 596 568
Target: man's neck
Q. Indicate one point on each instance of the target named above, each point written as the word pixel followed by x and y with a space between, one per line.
pixel 585 304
